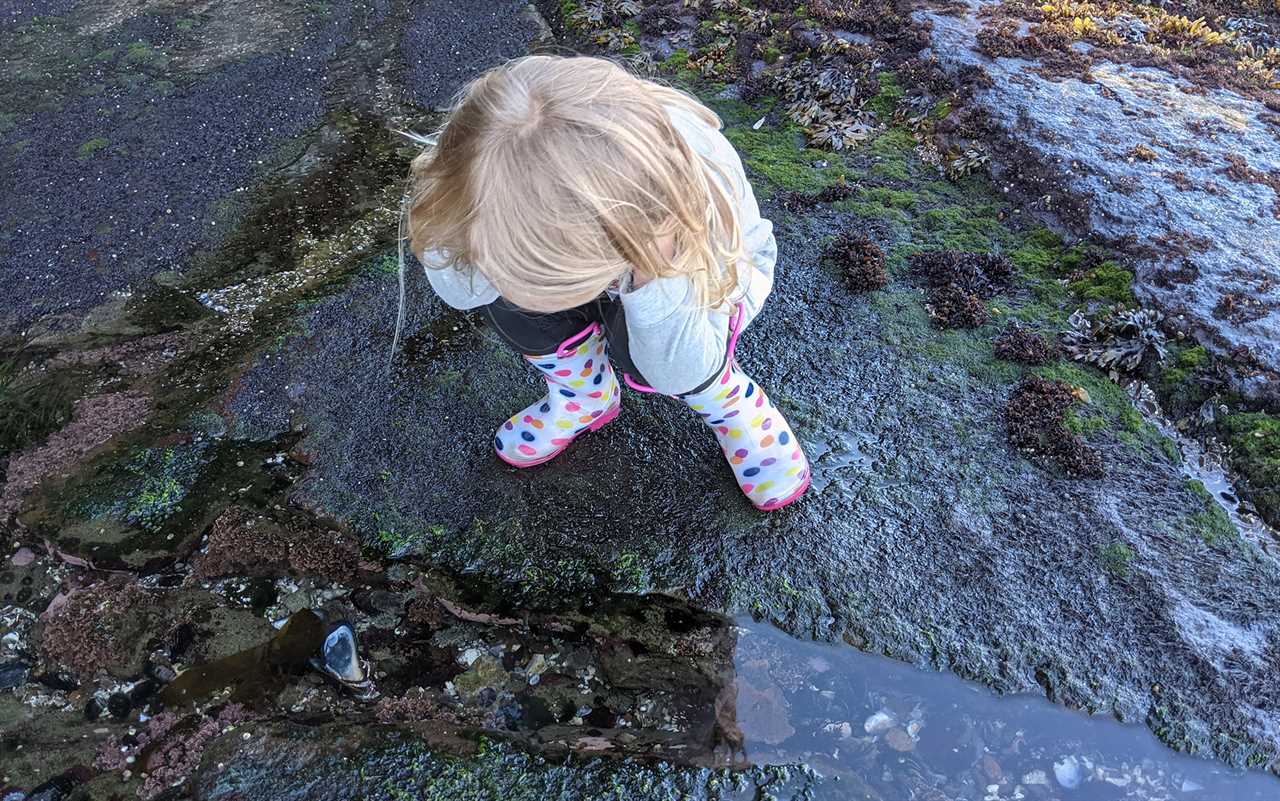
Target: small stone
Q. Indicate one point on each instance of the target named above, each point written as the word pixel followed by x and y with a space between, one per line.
pixel 161 673
pixel 899 740
pixel 1067 772
pixel 844 729
pixel 58 680
pixel 468 657
pixel 1036 777
pixel 13 674
pixel 879 722
pixel 537 664
pixel 119 706
pixel 23 557
pixel 991 768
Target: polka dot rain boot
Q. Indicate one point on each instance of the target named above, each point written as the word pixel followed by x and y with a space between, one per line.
pixel 582 395
pixel 764 454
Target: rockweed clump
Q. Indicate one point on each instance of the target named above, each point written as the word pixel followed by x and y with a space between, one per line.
pixel 1035 421
pixel 958 283
pixel 952 307
pixel 1118 340
pixel 1017 343
pixel 861 259
pixel 799 201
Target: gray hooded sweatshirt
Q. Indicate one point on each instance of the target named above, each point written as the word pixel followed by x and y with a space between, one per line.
pixel 675 342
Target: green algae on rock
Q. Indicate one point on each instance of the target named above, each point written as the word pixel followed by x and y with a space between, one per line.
pixel 1254 438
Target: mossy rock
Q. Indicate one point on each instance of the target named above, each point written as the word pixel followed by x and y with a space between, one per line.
pixel 1106 283
pixel 1254 438
pixel 1212 524
pixel 1116 557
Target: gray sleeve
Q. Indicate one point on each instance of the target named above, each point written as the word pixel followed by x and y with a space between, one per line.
pixel 674 342
pixel 755 273
pixel 460 289
pixel 755 276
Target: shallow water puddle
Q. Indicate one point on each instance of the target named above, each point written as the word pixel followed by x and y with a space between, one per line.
pixel 870 723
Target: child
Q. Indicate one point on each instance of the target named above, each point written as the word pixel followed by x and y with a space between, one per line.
pixel 593 216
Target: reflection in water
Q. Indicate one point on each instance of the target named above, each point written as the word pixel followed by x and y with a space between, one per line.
pixel 880 729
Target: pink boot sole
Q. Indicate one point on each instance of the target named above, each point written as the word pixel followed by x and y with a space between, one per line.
pixel 793 497
pixel 595 425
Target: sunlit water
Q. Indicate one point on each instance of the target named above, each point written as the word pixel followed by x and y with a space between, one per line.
pixel 879 728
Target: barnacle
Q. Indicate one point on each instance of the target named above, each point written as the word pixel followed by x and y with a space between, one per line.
pixel 1117 341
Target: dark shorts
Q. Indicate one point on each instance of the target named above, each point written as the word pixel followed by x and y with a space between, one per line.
pixel 535 334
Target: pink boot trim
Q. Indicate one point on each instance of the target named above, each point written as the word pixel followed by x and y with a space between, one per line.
pixel 595 425
pixel 792 498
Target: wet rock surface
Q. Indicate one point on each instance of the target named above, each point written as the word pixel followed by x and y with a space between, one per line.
pixel 249 555
pixel 1187 175
pixel 210 95
pixel 906 524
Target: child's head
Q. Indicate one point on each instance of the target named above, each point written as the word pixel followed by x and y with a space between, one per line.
pixel 555 176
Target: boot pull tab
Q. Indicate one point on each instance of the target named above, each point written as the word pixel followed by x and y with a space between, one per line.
pixel 735 328
pixel 566 348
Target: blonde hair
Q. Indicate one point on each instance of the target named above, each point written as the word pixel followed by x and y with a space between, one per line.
pixel 556 176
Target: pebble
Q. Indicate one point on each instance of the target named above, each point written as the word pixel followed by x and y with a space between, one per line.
pixel 93 709
pixel 1067 772
pixel 119 706
pixel 844 729
pixel 1036 777
pixel 58 680
pixel 468 657
pixel 879 722
pixel 13 674
pixel 23 557
pixel 899 740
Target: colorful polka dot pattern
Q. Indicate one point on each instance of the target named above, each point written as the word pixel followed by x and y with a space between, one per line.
pixel 582 395
pixel 765 456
